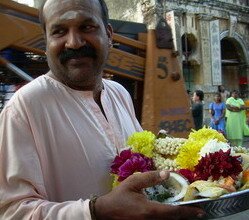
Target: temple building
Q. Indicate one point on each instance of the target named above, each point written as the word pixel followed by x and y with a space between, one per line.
pixel 212 38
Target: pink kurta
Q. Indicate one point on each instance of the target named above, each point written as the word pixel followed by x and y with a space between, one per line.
pixel 56 148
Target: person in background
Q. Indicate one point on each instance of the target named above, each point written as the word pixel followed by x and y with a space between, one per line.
pixel 197 109
pixel 247 110
pixel 224 93
pixel 246 114
pixel 61 132
pixel 217 111
pixel 236 126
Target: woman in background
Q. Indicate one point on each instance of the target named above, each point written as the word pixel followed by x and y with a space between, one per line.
pixel 236 126
pixel 197 109
pixel 217 111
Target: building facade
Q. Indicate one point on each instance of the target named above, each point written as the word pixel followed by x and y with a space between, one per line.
pixel 211 37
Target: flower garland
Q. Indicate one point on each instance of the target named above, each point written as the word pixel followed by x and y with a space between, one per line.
pixel 205 159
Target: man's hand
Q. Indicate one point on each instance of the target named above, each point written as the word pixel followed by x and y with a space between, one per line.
pixel 127 201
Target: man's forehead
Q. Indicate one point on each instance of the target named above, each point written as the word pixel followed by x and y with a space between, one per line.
pixel 53 6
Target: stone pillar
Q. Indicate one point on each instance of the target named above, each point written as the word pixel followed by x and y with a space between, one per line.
pixel 206 72
pixel 178 17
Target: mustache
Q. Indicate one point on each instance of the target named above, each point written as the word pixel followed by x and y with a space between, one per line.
pixel 85 51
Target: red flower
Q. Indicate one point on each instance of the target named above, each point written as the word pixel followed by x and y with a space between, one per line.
pixel 218 164
pixel 188 174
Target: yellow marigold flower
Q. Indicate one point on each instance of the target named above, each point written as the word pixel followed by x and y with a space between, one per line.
pixel 115 180
pixel 188 155
pixel 142 142
pixel 206 134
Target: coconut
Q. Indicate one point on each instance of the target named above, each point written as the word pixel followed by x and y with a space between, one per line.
pixel 177 186
pixel 171 190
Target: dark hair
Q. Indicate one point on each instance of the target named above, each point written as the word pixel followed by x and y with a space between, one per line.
pixel 104 10
pixel 200 94
pixel 217 94
pixel 235 91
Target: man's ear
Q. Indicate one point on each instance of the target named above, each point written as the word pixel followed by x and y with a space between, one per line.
pixel 109 32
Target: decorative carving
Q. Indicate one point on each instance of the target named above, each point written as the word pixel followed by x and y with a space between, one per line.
pixel 215 52
pixel 233 25
pixel 205 17
pixel 148 11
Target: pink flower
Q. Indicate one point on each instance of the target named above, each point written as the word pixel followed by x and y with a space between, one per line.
pixel 120 160
pixel 128 163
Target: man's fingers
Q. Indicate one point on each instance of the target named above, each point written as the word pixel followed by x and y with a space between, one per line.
pixel 187 212
pixel 143 180
pixel 178 212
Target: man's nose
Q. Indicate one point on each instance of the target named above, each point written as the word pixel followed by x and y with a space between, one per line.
pixel 75 40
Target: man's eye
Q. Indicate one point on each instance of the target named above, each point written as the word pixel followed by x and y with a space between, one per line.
pixel 58 32
pixel 87 28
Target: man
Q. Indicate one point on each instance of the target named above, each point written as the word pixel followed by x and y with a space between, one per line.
pixel 224 93
pixel 60 132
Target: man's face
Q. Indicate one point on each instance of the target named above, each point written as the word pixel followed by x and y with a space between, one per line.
pixel 195 97
pixel 235 95
pixel 222 89
pixel 77 41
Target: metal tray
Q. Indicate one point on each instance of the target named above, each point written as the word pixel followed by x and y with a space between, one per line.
pixel 225 205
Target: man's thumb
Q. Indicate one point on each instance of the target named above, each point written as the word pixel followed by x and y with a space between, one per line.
pixel 147 179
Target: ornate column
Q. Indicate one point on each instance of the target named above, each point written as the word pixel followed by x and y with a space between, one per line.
pixel 233 21
pixel 204 24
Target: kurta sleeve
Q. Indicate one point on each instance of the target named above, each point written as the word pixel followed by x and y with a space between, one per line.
pixel 22 189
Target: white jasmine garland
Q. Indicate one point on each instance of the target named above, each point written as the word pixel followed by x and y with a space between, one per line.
pixel 168 145
pixel 239 149
pixel 162 163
